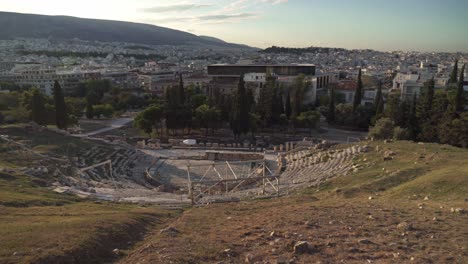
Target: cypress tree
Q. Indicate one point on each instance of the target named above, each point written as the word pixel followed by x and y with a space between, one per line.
pixel 411 121
pixel 277 107
pixel 331 106
pixel 288 108
pixel 38 110
pixel 181 90
pixel 460 96
pixel 89 109
pixel 358 93
pixel 240 114
pixel 425 103
pixel 454 74
pixel 298 97
pixel 266 100
pixel 379 102
pixel 61 117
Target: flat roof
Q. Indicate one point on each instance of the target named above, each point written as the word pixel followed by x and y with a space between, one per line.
pixel 262 65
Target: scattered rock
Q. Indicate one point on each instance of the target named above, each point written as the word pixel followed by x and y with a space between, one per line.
pixel 170 231
pixel 365 241
pixel 302 247
pixel 426 198
pixel 457 210
pixel 116 251
pixel 249 258
pixel 405 226
pixel 282 260
pixel 371 198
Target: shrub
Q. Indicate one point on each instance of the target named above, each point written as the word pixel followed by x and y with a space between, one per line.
pixel 400 133
pixel 383 129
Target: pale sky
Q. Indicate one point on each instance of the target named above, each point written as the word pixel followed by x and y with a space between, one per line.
pixel 425 25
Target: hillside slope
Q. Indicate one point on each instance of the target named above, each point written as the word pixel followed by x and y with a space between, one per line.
pixel 337 220
pixel 17 25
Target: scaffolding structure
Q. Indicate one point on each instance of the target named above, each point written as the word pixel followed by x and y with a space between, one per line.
pixel 228 177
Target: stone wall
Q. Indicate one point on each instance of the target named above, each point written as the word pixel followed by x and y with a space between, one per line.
pixel 232 156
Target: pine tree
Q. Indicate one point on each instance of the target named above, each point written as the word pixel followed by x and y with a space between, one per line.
pixel 358 93
pixel 460 96
pixel 331 106
pixel 454 74
pixel 61 117
pixel 288 109
pixel 38 110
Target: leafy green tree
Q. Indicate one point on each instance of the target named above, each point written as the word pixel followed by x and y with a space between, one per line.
pixel 105 110
pixel 308 119
pixel 75 106
pixel 96 90
pixel 358 93
pixel 207 117
pixel 454 131
pixel 383 129
pixel 149 118
pixel 454 74
pixel 61 116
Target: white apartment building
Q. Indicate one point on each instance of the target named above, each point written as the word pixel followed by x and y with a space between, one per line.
pixel 411 83
pixel 44 79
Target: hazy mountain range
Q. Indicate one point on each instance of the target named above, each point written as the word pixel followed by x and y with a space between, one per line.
pixel 18 25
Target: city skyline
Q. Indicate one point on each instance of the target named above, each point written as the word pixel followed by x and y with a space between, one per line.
pixel 362 24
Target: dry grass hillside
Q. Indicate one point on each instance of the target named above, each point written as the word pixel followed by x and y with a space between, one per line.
pixel 406 209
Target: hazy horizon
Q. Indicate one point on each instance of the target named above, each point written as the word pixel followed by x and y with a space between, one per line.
pixel 418 25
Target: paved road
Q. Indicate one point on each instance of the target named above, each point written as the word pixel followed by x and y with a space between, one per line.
pixel 113 124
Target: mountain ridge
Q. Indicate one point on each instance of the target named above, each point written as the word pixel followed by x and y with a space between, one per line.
pixel 21 25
